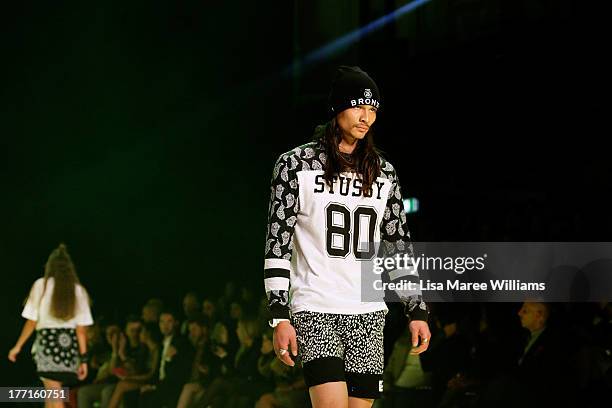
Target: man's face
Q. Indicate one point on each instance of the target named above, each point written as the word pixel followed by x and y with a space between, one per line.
pixel 93 333
pixel 149 314
pixel 196 331
pixel 531 316
pixel 166 324
pixel 220 335
pixel 190 304
pixel 356 121
pixel 235 311
pixel 209 308
pixel 132 330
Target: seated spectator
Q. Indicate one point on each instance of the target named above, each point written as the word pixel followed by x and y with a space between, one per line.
pixel 236 312
pixel 541 361
pixel 289 387
pixel 222 355
pixel 493 353
pixel 132 379
pixel 129 353
pixel 151 310
pixel 174 366
pixel 229 296
pixel 241 385
pixel 450 350
pixel 595 370
pixel 537 379
pixel 197 332
pixel 404 377
pixel 200 377
pixel 209 311
pixel 102 386
pixel 191 310
pixel 98 350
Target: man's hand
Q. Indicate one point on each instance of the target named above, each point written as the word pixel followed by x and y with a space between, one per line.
pixel 170 352
pixel 220 352
pixel 419 329
pixel 284 336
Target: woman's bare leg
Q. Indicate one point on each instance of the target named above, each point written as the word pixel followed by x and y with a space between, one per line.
pixel 187 395
pixel 121 388
pixel 266 401
pixel 52 385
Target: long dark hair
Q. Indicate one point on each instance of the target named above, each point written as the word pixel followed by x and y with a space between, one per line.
pixel 60 267
pixel 366 156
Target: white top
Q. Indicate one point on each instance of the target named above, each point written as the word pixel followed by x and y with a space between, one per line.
pixel 162 367
pixel 320 238
pixel 38 309
pixel 331 283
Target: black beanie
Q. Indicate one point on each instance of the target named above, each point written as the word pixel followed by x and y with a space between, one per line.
pixel 351 87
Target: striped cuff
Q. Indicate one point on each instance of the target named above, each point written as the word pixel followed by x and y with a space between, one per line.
pixel 417 313
pixel 278 311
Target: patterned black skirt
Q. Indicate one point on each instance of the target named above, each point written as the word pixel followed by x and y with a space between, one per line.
pixel 56 353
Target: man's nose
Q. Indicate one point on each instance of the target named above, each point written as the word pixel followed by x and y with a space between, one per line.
pixel 365 116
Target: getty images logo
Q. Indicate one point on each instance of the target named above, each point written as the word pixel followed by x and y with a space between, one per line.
pixel 366 100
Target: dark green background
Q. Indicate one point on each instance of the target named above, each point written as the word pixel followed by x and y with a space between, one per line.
pixel 143 133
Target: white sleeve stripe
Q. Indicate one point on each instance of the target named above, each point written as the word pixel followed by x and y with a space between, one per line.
pixel 276 284
pixel 275 263
pixel 400 273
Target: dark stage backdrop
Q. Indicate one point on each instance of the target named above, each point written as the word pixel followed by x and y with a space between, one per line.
pixel 143 134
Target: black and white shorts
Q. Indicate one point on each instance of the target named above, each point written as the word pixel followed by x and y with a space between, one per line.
pixel 341 347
